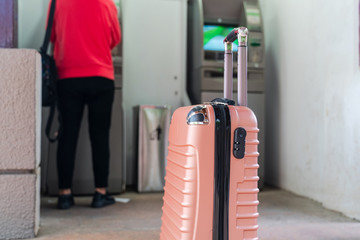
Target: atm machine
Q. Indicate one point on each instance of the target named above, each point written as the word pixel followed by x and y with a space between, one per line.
pixel 209 21
pixel 83 183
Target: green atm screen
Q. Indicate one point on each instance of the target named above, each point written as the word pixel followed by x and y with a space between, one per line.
pixel 214 36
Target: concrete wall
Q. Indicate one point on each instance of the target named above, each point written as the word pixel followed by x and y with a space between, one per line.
pixel 20 121
pixel 313 99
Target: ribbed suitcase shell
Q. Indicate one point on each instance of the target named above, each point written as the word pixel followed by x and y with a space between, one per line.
pixel 189 181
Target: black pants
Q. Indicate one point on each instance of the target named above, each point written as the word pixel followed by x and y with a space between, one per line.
pixel 74 93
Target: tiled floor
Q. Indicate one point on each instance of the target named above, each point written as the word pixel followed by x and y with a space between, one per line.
pixel 282 216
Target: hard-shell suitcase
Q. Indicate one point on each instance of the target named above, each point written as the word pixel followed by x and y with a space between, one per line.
pixel 211 174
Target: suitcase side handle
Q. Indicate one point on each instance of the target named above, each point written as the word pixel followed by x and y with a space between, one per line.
pixel 241 34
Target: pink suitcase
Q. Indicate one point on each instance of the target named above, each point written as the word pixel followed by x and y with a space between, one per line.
pixel 211 174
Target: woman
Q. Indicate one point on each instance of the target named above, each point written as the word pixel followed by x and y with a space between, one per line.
pixel 83 34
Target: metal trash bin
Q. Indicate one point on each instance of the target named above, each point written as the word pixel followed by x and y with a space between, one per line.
pixel 153 129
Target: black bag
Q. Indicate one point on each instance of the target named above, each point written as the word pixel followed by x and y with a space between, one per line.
pixel 49 77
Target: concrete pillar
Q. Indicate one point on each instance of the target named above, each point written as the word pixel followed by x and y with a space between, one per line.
pixel 20 121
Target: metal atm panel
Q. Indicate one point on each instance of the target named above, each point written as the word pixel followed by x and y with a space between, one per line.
pixel 213 80
pixel 206 67
pixel 214 10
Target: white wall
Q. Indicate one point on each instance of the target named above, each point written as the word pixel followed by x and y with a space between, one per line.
pixel 313 100
pixel 32 19
pixel 32 22
pixel 154 59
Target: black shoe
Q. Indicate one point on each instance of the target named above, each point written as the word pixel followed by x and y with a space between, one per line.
pixel 102 200
pixel 65 201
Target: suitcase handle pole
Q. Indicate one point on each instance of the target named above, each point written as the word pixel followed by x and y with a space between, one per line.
pixel 228 70
pixel 242 66
pixel 241 34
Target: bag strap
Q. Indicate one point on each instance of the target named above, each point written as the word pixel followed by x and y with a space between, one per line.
pixel 48 125
pixel 50 21
pixel 44 49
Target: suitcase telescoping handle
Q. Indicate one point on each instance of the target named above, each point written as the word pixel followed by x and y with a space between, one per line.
pixel 241 34
pixel 228 71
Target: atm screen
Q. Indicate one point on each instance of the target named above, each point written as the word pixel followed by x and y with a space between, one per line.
pixel 214 36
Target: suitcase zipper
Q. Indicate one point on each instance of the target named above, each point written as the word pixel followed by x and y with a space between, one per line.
pixel 221 172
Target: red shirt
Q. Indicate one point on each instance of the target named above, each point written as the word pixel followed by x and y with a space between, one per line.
pixel 83 34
